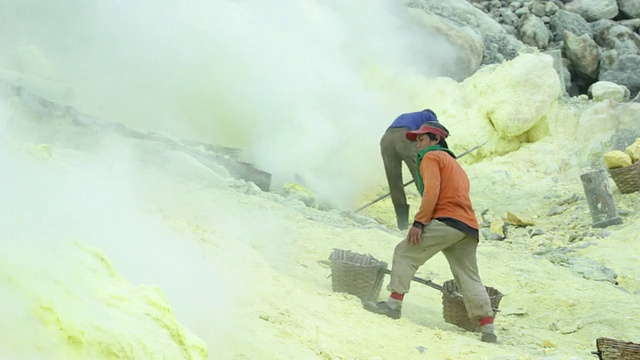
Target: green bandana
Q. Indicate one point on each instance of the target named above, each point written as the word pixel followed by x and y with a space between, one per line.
pixel 421 155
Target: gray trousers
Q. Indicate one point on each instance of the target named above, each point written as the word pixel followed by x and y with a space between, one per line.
pixel 395 148
pixel 460 251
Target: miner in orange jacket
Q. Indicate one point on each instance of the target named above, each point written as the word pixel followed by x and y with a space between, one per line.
pixel 445 222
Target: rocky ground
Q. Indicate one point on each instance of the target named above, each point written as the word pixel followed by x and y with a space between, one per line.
pixel 591 40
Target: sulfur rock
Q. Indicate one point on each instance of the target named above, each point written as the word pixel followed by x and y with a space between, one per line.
pixel 299 192
pixel 617 159
pixel 633 150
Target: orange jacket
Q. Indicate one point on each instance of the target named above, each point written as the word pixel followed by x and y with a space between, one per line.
pixel 446 190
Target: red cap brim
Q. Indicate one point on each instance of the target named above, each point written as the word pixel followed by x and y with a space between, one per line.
pixel 413 135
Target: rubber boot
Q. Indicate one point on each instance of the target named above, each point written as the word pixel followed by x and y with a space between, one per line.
pixel 402 216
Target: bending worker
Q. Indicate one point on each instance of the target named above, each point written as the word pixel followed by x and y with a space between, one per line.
pixel 445 222
pixel 395 148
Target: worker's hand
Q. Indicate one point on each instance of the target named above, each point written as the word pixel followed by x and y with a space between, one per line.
pixel 414 235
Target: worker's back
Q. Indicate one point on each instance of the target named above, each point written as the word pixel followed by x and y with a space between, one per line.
pixel 453 188
pixel 413 120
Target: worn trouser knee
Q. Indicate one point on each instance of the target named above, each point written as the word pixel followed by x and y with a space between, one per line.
pixel 407 258
pixel 464 267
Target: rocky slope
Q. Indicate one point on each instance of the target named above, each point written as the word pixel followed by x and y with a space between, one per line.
pixel 591 41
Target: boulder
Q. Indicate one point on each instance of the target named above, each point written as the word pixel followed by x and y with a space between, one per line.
pixel 584 54
pixel 631 8
pixel 633 150
pixel 616 159
pixel 518 77
pixel 534 32
pixel 498 44
pixel 622 39
pixel 607 59
pixel 567 21
pixel 592 10
pixel 468 43
pixel 561 69
pixel 606 90
pixel 624 72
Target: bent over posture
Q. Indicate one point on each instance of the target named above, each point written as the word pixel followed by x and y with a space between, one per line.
pixel 445 222
pixel 395 149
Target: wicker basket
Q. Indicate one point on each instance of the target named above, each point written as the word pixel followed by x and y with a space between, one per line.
pixel 357 274
pixel 612 349
pixel 455 312
pixel 627 178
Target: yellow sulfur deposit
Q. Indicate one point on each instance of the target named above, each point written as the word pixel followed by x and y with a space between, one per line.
pixel 515 220
pixel 301 193
pixel 633 150
pixel 617 159
pixel 40 152
pixel 82 308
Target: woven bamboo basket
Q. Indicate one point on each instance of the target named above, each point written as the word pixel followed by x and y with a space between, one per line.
pixel 627 178
pixel 612 349
pixel 455 312
pixel 357 274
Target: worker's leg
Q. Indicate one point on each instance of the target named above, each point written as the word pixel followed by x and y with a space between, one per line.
pixel 393 169
pixel 393 165
pixel 407 258
pixel 464 267
pixel 408 152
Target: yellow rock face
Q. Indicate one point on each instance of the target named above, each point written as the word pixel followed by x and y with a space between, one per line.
pixel 497 227
pixel 514 219
pixel 299 192
pixel 40 152
pixel 616 159
pixel 633 150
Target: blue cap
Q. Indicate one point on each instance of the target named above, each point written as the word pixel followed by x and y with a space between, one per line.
pixel 431 116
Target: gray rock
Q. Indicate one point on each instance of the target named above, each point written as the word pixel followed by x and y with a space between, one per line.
pixel 508 17
pixel 557 210
pixel 605 90
pixel 592 10
pixel 522 11
pixel 599 30
pixel 494 4
pixel 509 29
pixel 631 8
pixel 567 21
pixel 468 44
pixel 590 270
pixel 622 39
pixel 538 9
pixel 480 6
pixel 584 54
pixel 625 72
pixel 515 5
pixel 500 47
pixel 607 59
pixel 560 68
pixel 498 44
pixel 533 32
pixel 633 24
pixel 551 8
pixel 570 200
pixel 460 12
pixel 536 232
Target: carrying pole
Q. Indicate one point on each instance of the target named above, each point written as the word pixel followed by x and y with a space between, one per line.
pixel 412 181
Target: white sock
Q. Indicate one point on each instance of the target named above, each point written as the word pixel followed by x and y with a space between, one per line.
pixel 488 328
pixel 394 303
